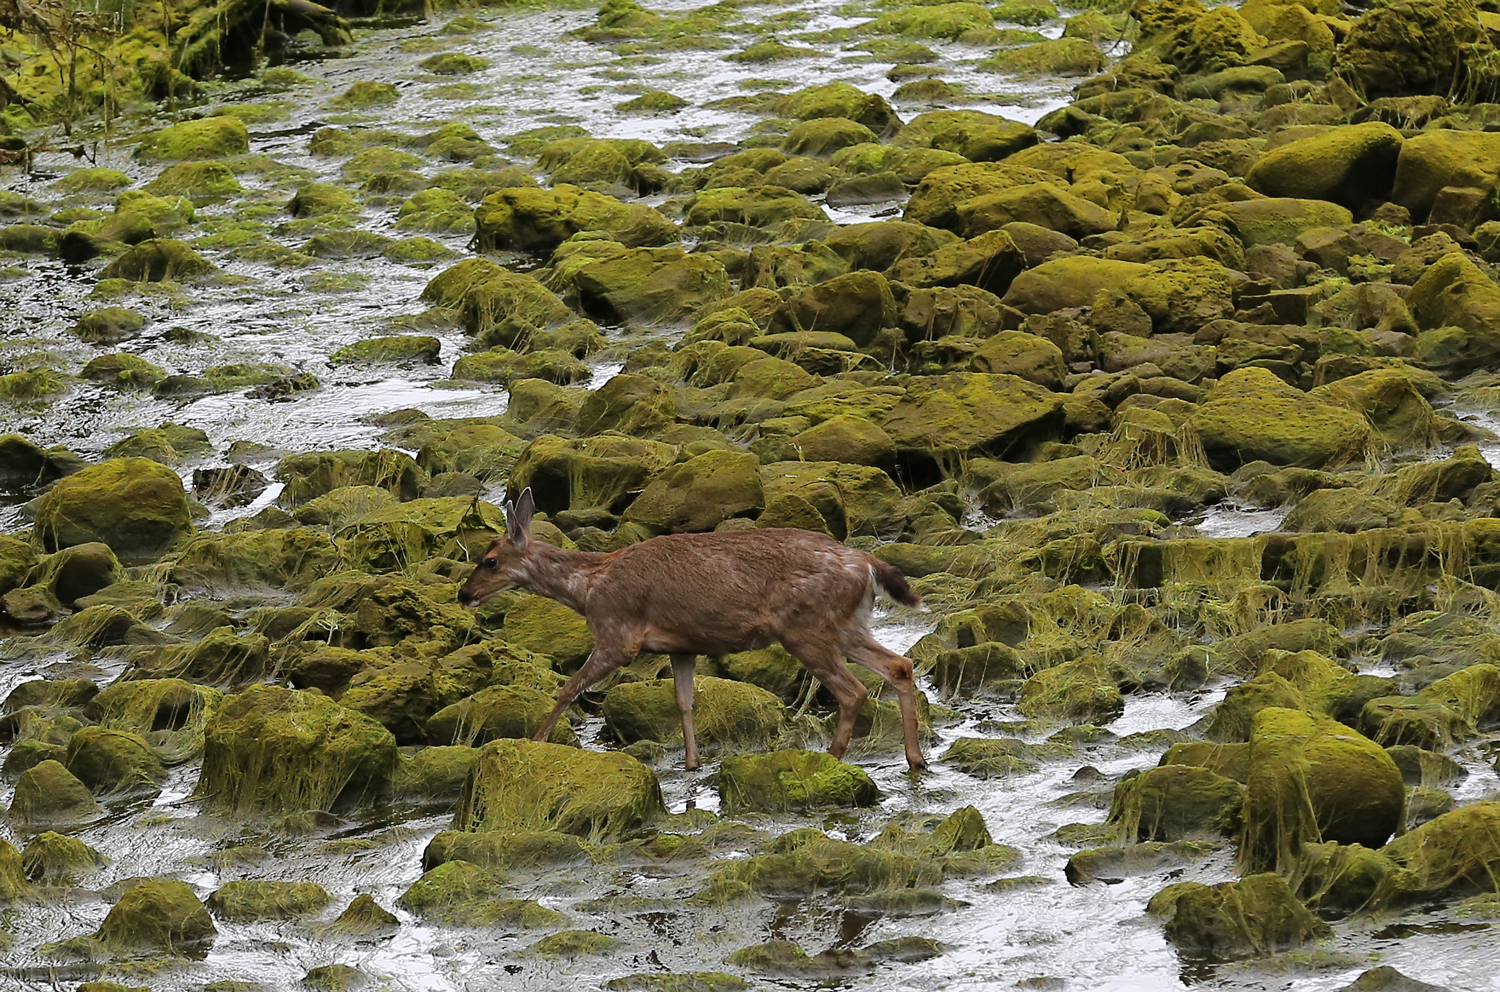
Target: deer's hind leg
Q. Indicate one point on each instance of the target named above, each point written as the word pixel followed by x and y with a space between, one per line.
pixel 823 659
pixel 682 681
pixel 600 663
pixel 896 670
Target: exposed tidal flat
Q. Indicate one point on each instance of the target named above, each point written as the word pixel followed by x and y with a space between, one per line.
pixel 1157 344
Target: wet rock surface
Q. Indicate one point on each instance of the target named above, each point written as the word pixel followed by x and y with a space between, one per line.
pixel 1154 343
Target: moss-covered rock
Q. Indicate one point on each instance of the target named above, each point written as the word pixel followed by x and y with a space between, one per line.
pixel 315 473
pixel 501 850
pixel 753 206
pixel 649 285
pixel 1174 801
pixel 159 260
pixel 1179 295
pixel 1451 855
pixel 52 858
pixel 966 413
pixel 284 750
pixel 856 305
pixel 248 901
pixel 48 795
pixel 392 348
pixel 498 712
pixel 700 493
pixel 1351 165
pixel 458 893
pixel 201 182
pixel 114 762
pixel 539 220
pixel 1251 414
pixel 524 785
pixel 1254 917
pixel 578 474
pixel 792 780
pixel 1313 779
pixel 207 137
pixel 159 915
pixel 264 559
pixel 724 712
pixel 804 862
pixel 1410 48
pixel 13 884
pixel 1081 690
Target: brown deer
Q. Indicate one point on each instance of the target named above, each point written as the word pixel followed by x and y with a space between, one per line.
pixel 686 595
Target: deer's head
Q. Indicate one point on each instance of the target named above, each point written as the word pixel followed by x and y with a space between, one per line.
pixel 504 564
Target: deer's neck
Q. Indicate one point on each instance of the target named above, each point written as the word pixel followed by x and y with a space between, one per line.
pixel 560 574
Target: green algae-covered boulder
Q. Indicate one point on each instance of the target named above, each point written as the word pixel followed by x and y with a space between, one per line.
pixel 497 712
pixel 435 773
pixel 598 471
pixel 1051 205
pixel 1457 853
pixel 315 473
pixel 161 915
pixel 650 285
pixel 1313 779
pixel 114 762
pixel 823 136
pixel 725 712
pixel 1254 917
pixel 289 559
pixel 856 305
pixel 277 750
pixel 170 714
pixel 525 785
pixel 627 403
pixel 1174 801
pixel 847 499
pixel 159 260
pixel 945 21
pixel 248 901
pixel 757 206
pixel 1455 294
pixel 52 858
pixel 207 137
pixel 1399 415
pixel 458 893
pixel 848 439
pixel 201 182
pixel 971 413
pixel 536 623
pixel 1180 295
pixel 391 348
pixel 806 862
pixel 1081 690
pixel 538 220
pixel 838 100
pixel 1412 47
pixel 792 780
pixel 1253 415
pixel 1436 159
pixel 49 795
pixel 364 917
pixel 109 325
pixel 506 849
pixel 122 370
pixel 700 493
pixel 13 884
pixel 1276 220
pixel 1351 165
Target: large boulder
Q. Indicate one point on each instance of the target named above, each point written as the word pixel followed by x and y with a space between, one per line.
pixel 49 795
pixel 538 220
pixel 277 750
pixel 1456 853
pixel 1414 47
pixel 1174 801
pixel 1436 159
pixel 1458 303
pixel 525 785
pixel 247 901
pixel 650 285
pixel 134 505
pixel 856 305
pixel 599 471
pixel 792 780
pixel 971 413
pixel 1276 220
pixel 724 712
pixel 1180 295
pixel 115 762
pixel 1352 166
pixel 158 915
pixel 1254 917
pixel 207 137
pixel 700 493
pixel 1312 779
pixel 1253 415
pixel 1051 205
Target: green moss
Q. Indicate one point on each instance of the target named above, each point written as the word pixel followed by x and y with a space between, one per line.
pixel 89 180
pixel 366 93
pixel 206 138
pixel 114 762
pixel 653 101
pixel 454 63
pixel 281 750
pixel 13 884
pixel 1255 916
pixel 520 849
pixel 1059 57
pixel 1082 691
pixel 539 220
pixel 1174 801
pixel 199 181
pixel 946 21
pixel 724 712
pixel 502 711
pixel 134 505
pixel 792 780
pixel 170 713
pixel 462 894
pixel 396 348
pixel 523 785
pixel 247 901
pixel 158 915
pixel 54 859
pixel 274 559
pixel 806 862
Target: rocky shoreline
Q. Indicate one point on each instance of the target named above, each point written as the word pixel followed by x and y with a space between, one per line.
pixel 1245 273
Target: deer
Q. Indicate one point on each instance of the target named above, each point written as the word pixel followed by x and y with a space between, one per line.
pixel 715 593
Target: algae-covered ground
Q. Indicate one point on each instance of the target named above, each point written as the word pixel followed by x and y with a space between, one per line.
pixel 1155 343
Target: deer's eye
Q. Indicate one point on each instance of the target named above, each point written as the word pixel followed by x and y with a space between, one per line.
pixel 489 563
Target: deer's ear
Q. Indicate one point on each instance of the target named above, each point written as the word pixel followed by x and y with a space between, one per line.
pixel 518 519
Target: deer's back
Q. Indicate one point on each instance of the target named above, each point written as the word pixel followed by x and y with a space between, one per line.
pixel 734 590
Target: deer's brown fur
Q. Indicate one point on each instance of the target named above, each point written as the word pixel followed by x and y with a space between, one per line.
pixel 686 595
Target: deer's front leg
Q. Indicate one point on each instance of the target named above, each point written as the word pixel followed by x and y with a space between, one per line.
pixel 599 664
pixel 682 681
